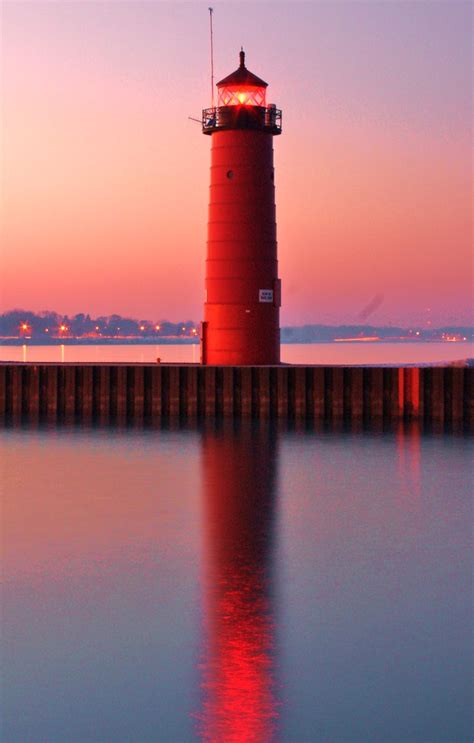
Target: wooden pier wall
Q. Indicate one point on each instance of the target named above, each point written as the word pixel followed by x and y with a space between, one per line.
pixel 149 391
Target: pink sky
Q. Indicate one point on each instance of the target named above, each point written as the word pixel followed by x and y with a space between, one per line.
pixel 105 180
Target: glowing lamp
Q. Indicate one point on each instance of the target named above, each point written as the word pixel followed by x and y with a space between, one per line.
pixel 241 88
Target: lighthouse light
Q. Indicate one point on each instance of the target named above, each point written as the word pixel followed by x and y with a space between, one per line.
pixel 239 95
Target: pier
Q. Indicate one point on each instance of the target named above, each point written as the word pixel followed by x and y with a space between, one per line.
pixel 150 391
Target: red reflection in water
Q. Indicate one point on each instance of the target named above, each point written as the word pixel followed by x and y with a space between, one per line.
pixel 239 701
pixel 409 461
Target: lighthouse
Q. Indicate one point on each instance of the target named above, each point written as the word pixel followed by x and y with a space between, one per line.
pixel 242 291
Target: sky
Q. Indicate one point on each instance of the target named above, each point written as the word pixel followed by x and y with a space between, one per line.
pixel 105 178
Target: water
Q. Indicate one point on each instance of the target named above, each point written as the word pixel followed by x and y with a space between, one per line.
pixel 236 583
pixel 294 353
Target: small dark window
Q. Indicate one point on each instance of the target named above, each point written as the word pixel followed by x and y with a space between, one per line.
pixel 230 174
pixel 272 175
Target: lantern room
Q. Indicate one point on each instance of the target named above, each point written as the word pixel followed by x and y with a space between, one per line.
pixel 241 88
pixel 240 95
pixel 241 104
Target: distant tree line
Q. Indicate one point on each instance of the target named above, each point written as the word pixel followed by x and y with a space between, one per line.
pixel 24 323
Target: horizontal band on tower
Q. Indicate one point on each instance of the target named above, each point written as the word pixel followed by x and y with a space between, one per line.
pixel 218 146
pixel 243 241
pixel 240 260
pixel 252 303
pixel 238 221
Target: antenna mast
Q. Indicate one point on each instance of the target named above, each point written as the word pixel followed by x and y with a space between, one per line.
pixel 212 57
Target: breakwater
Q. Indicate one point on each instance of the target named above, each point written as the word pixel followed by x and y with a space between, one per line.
pixel 149 391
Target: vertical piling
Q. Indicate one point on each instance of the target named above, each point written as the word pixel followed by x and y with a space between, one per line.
pixel 210 390
pixel 300 392
pixel 192 395
pixel 357 394
pixel 282 391
pixel 264 392
pixel 174 396
pixel 31 392
pixel 246 391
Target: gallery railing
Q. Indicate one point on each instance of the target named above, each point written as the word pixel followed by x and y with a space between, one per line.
pixel 264 118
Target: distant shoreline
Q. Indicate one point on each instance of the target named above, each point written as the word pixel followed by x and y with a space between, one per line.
pixel 99 342
pixel 195 342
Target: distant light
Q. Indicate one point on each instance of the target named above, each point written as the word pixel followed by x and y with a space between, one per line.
pixel 157 327
pixel 183 328
pixel 142 327
pixel 194 331
pixel 24 326
pixel 63 327
pixel 97 327
pixel 417 332
pixel 46 330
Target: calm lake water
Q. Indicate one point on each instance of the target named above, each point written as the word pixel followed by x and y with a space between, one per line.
pixel 236 583
pixel 294 353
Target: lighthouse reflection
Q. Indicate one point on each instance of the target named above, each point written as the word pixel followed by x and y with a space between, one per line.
pixel 239 701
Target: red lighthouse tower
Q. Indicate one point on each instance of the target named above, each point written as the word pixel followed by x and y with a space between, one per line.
pixel 241 311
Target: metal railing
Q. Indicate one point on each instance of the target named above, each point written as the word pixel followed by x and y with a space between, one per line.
pixel 264 118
